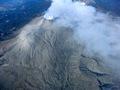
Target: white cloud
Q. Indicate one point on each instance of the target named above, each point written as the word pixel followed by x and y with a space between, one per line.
pixel 99 32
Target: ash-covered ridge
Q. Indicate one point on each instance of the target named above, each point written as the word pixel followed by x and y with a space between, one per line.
pixel 45 56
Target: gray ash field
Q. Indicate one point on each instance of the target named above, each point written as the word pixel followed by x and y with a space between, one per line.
pixel 65 45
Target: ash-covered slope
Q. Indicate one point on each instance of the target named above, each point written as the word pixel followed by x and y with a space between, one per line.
pixel 47 57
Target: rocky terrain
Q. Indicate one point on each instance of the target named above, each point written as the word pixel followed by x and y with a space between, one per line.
pixel 48 57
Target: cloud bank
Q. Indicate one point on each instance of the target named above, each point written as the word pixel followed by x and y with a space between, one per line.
pixel 99 33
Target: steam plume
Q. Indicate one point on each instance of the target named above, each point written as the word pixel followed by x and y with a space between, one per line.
pixel 97 30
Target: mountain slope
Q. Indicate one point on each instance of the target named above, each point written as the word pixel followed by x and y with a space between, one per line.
pixel 45 56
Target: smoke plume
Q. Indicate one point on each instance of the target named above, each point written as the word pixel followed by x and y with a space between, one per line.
pixel 98 31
